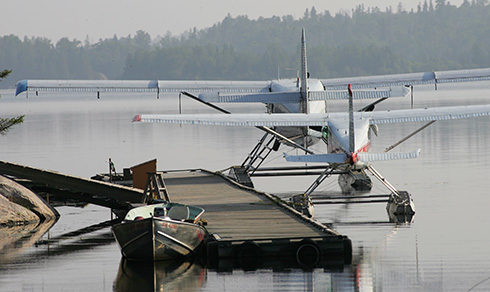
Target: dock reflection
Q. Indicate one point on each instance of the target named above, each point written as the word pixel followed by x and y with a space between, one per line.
pixel 192 275
pixel 29 243
pixel 333 263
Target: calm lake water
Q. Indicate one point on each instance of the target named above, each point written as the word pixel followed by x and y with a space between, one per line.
pixel 445 248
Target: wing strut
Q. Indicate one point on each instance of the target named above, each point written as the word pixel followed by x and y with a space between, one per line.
pixel 370 107
pixel 265 129
pixel 409 136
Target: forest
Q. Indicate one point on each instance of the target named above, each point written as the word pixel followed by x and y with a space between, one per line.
pixel 434 36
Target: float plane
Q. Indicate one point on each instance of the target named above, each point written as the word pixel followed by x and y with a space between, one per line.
pixel 297 116
pixel 347 135
pixel 300 95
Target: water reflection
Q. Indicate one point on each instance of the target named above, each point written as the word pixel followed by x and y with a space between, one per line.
pixel 16 239
pixel 17 242
pixel 160 276
pixel 445 248
pixel 193 276
pixel 82 239
pixel 332 262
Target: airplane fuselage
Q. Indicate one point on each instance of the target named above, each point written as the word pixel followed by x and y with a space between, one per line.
pixel 292 85
pixel 336 136
pixel 298 133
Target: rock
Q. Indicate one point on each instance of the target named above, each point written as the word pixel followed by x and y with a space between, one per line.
pixel 15 240
pixel 20 195
pixel 13 214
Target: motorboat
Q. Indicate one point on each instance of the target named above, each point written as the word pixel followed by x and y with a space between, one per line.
pixel 160 231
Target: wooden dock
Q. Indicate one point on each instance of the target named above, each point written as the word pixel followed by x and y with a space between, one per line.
pixel 247 225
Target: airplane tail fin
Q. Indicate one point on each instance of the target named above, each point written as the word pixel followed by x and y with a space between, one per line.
pixel 351 123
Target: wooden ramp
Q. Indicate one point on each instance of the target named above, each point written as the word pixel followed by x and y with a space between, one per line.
pixel 246 224
pixel 91 191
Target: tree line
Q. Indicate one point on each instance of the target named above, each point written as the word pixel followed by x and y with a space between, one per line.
pixel 434 36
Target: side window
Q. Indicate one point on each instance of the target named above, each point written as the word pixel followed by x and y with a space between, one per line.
pixel 325 132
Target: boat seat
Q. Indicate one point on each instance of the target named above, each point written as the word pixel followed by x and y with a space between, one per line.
pixel 159 212
pixel 178 213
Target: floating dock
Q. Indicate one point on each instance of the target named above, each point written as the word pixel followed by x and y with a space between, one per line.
pixel 247 225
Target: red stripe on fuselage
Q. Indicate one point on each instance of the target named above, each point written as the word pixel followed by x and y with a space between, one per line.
pixel 364 148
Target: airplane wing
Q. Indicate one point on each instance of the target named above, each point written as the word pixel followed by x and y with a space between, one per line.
pixel 408 79
pixel 157 86
pixel 242 87
pixel 299 120
pixel 244 120
pixel 426 114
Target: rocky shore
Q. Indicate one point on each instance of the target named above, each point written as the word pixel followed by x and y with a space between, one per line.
pixel 20 206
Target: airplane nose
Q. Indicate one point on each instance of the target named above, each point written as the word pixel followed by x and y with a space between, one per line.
pixel 137 118
pixel 354 158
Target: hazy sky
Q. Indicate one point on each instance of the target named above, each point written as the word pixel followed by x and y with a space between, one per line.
pixel 104 18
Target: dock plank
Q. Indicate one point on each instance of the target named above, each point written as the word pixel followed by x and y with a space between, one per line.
pixel 233 212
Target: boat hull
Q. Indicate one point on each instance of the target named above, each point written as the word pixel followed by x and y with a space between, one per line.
pixel 157 238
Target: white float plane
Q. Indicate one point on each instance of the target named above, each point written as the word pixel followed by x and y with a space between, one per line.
pixel 347 135
pixel 300 95
pixel 297 114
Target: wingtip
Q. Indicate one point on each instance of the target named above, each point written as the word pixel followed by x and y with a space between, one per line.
pixel 137 118
pixel 21 86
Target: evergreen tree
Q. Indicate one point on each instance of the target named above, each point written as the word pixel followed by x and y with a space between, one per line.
pixel 7 123
pixel 239 48
pixel 440 4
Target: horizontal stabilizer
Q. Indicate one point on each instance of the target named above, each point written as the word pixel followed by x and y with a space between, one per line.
pixel 398 91
pixel 269 97
pixel 370 157
pixel 325 158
